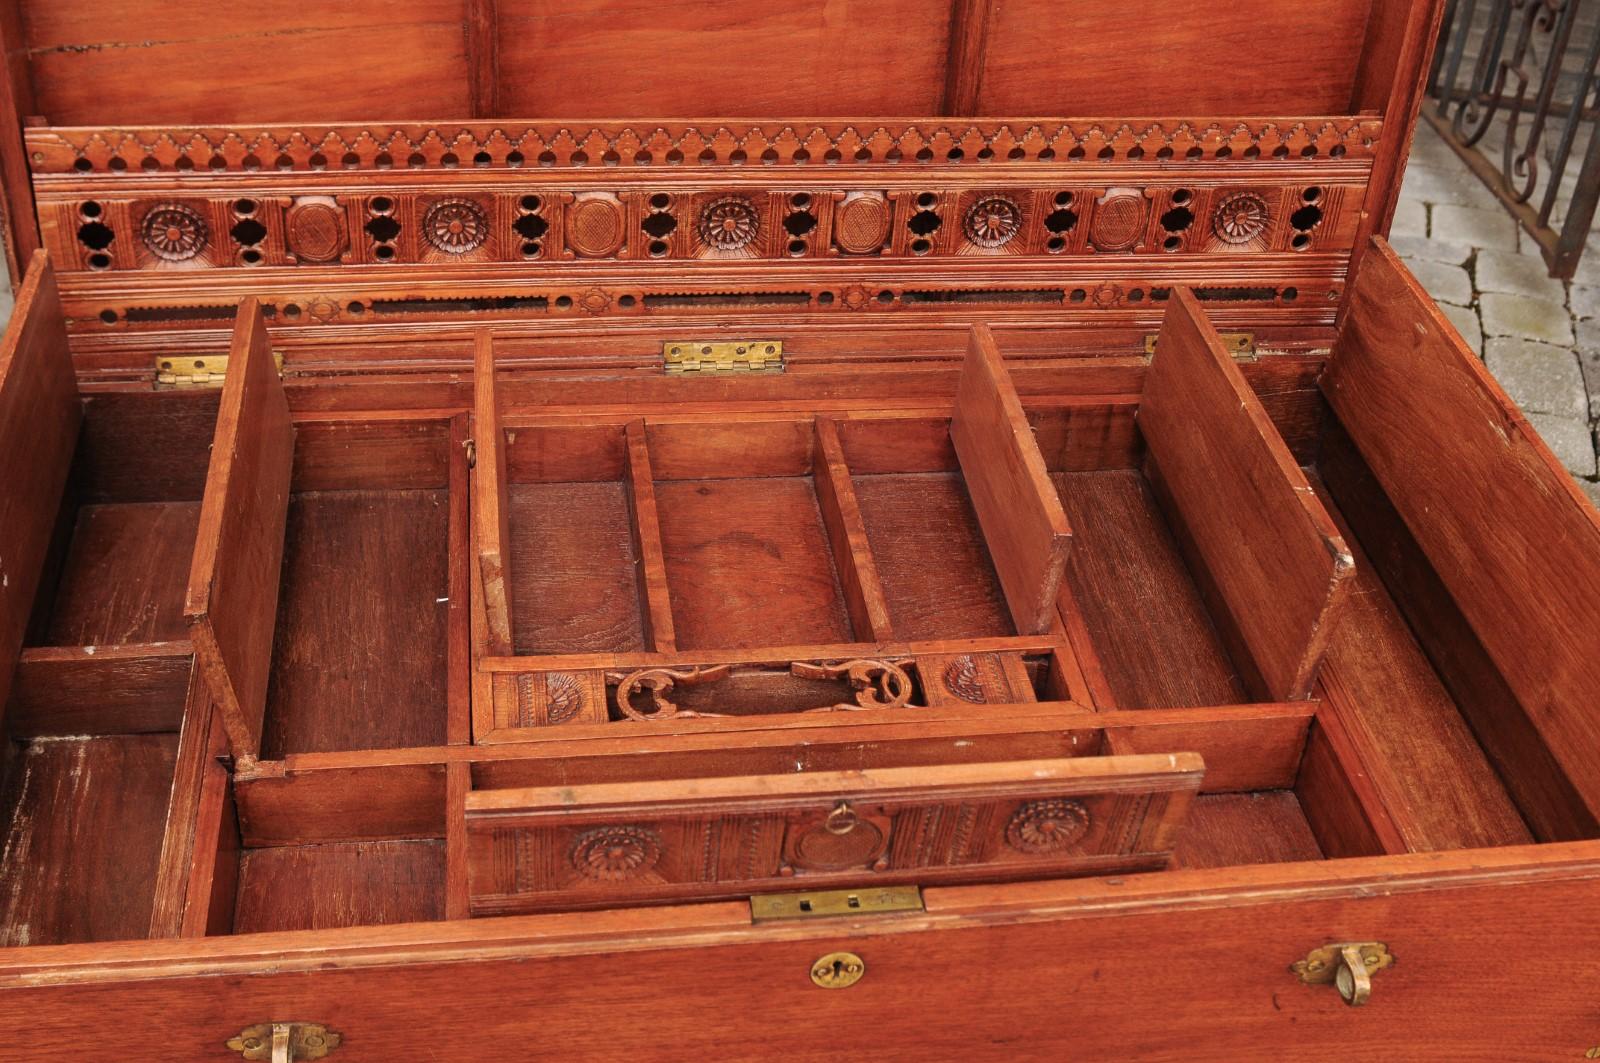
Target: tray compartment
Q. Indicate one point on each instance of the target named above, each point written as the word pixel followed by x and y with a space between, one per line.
pixel 320 887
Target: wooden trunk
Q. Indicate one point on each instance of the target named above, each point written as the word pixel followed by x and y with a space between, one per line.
pixel 922 574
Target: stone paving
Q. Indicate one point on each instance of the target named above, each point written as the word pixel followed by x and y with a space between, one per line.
pixel 1539 337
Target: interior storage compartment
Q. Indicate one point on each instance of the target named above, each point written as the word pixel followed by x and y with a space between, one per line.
pixel 321 887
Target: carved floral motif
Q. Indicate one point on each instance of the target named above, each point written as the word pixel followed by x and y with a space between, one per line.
pixel 729 223
pixel 1047 826
pixel 563 697
pixel 615 854
pixel 992 221
pixel 174 232
pixel 1240 218
pixel 961 679
pixel 455 226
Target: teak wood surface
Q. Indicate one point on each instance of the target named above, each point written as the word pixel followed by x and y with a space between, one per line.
pixel 1155 674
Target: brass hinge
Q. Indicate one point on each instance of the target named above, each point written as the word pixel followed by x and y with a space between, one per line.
pixel 1239 344
pixel 723 356
pixel 198 370
pixel 816 904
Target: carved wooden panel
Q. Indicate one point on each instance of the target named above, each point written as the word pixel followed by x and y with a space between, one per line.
pixel 533 849
pixel 544 699
pixel 974 679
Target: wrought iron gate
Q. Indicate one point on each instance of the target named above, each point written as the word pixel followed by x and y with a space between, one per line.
pixel 1517 79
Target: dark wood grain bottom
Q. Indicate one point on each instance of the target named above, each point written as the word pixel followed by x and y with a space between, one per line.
pixel 317 887
pixel 359 655
pixel 1228 830
pixel 1144 613
pixel 82 837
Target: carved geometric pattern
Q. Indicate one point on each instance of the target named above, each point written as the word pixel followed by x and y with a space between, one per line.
pixel 861 224
pixel 595 226
pixel 992 143
pixel 315 231
pixel 174 232
pixel 729 223
pixel 1240 218
pixel 614 854
pixel 1047 826
pixel 992 221
pixel 1118 221
pixel 455 226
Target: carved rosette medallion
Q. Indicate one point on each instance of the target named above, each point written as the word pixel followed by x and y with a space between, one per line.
pixel 455 226
pixel 595 226
pixel 616 854
pixel 1240 218
pixel 1118 221
pixel 993 221
pixel 315 230
pixel 729 223
pixel 961 679
pixel 174 232
pixel 1048 826
pixel 861 224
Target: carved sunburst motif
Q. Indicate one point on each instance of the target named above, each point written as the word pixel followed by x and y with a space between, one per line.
pixel 1047 826
pixel 174 232
pixel 612 854
pixel 729 223
pixel 992 221
pixel 961 679
pixel 455 226
pixel 563 697
pixel 1240 218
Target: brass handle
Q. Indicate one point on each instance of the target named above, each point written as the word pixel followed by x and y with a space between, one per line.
pixel 842 820
pixel 1348 966
pixel 284 1042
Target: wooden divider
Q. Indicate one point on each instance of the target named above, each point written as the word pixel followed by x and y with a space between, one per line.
pixel 847 534
pixel 1512 538
pixel 232 600
pixel 1017 506
pixel 39 419
pixel 134 688
pixel 1258 540
pixel 491 502
pixel 654 598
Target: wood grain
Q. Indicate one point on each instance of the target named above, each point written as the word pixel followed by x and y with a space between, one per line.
pixel 82 836
pixel 732 547
pixel 572 565
pixel 490 505
pixel 1237 830
pixel 1509 533
pixel 1165 653
pixel 645 525
pixel 1240 502
pixel 39 416
pixel 361 646
pixel 937 578
pixel 1021 517
pixel 124 576
pixel 136 688
pixel 233 584
pixel 969 46
pixel 1437 783
pixel 319 887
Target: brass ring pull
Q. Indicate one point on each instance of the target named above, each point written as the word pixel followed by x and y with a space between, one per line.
pixel 842 820
pixel 1348 966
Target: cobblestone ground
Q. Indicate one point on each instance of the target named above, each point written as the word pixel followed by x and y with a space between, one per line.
pixel 1539 337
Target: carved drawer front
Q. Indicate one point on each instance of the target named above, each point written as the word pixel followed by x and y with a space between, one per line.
pixel 563 847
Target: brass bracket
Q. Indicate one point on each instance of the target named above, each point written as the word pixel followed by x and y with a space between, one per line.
pixel 284 1042
pixel 1348 965
pixel 816 904
pixel 723 356
pixel 198 370
pixel 1238 344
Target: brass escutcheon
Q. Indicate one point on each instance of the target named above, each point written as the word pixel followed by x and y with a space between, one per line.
pixel 838 970
pixel 1349 966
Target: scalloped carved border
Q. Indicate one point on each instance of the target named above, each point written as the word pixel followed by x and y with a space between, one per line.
pixel 81 151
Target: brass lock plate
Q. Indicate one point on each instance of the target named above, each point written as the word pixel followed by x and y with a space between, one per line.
pixel 815 904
